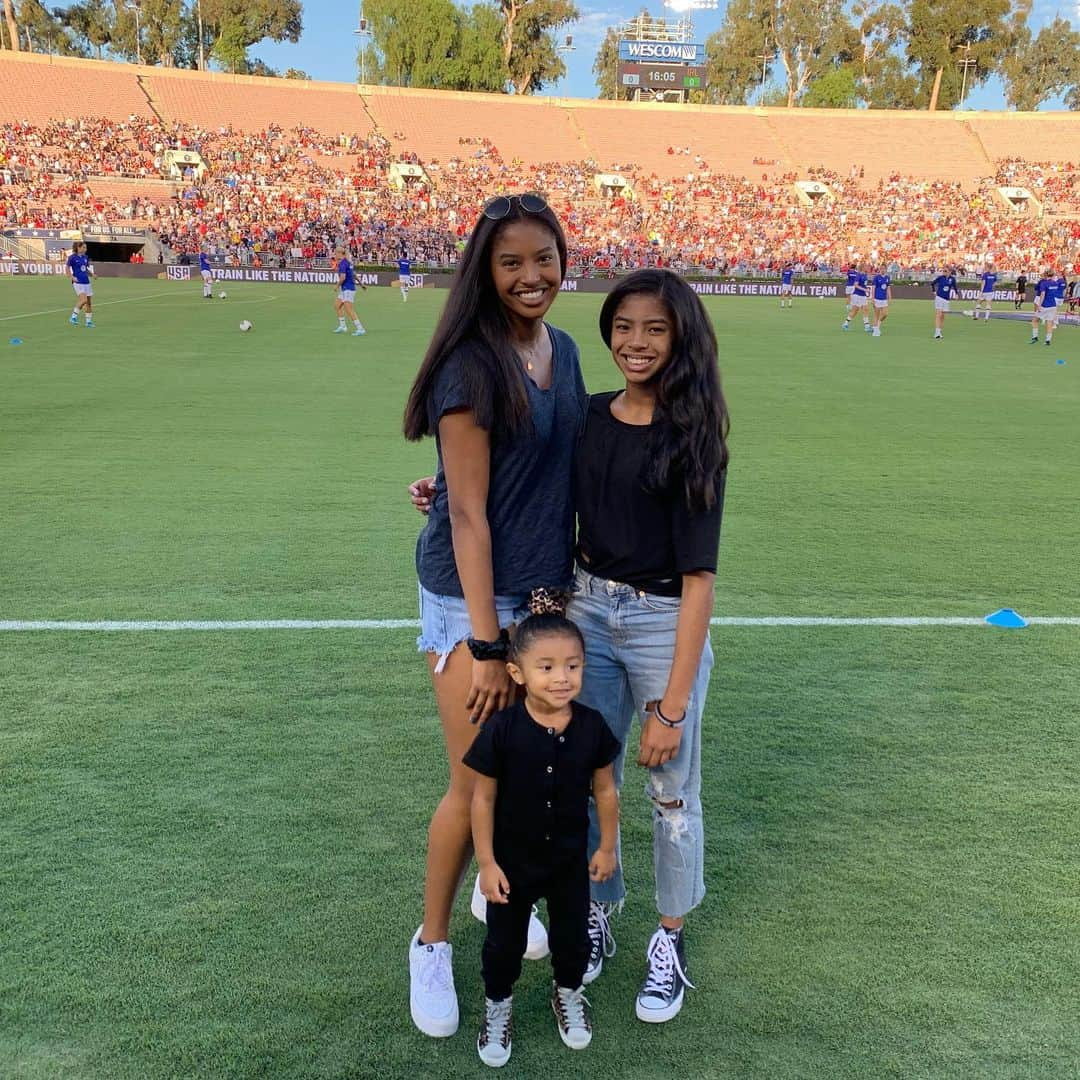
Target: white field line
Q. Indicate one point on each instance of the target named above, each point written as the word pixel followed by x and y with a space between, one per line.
pixel 130 300
pixel 97 303
pixel 113 626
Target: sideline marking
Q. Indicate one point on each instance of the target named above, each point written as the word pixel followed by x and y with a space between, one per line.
pixel 97 304
pixel 113 626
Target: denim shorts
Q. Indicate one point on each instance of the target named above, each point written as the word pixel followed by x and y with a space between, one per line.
pixel 444 621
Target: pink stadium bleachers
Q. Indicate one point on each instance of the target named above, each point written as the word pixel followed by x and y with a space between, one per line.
pixel 1037 136
pixel 37 88
pixel 935 146
pixel 433 124
pixel 214 100
pixel 728 139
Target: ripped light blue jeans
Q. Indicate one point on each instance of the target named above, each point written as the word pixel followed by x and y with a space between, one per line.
pixel 629 648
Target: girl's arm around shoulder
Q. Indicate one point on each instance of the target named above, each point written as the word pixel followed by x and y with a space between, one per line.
pixel 602 864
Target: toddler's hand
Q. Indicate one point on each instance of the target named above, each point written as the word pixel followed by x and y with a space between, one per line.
pixel 493 884
pixel 602 865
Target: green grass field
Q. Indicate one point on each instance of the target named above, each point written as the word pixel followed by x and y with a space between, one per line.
pixel 211 842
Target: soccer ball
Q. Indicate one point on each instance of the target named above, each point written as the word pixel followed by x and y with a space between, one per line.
pixel 245 325
pixel 221 295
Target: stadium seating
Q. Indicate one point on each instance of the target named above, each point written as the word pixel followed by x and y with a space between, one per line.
pixel 296 167
pixel 39 88
pixel 213 100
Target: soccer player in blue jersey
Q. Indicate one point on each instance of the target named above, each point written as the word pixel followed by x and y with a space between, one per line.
pixel 80 271
pixel 404 277
pixel 859 299
pixel 852 274
pixel 786 293
pixel 944 286
pixel 882 295
pixel 1061 287
pixel 1046 306
pixel 986 297
pixel 207 272
pixel 346 294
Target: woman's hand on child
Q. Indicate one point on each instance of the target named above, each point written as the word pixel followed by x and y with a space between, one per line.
pixel 492 689
pixel 659 743
pixel 602 865
pixel 493 884
pixel 421 492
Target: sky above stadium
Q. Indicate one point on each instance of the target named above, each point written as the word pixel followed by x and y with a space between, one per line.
pixel 327 50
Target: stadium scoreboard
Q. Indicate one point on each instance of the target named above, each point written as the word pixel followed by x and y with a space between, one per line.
pixel 661 70
pixel 654 77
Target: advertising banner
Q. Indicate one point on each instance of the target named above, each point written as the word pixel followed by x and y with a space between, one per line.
pixel 665 52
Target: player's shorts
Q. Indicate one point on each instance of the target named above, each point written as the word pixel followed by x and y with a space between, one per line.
pixel 986 296
pixel 346 296
pixel 881 305
pixel 848 289
pixel 404 279
pixel 857 300
pixel 208 275
pixel 83 290
pixel 785 290
pixel 1049 314
pixel 941 304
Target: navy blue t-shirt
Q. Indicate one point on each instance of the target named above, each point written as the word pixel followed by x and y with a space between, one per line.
pixel 530 504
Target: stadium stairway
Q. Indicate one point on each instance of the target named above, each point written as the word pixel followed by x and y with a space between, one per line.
pixel 990 166
pixel 788 161
pixel 587 152
pixel 149 97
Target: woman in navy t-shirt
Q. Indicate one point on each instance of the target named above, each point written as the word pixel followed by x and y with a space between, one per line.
pixel 502 394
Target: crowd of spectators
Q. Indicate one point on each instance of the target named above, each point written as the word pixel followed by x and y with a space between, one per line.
pixel 276 196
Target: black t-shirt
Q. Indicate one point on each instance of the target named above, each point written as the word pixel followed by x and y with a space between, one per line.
pixel 626 533
pixel 1021 283
pixel 544 778
pixel 530 509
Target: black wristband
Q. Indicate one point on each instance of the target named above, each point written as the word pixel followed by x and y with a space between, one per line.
pixel 490 650
pixel 665 721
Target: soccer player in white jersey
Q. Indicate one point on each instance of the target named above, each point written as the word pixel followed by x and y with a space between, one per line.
pixel 80 272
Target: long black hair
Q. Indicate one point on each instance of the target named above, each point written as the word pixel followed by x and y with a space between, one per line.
pixel 688 434
pixel 473 312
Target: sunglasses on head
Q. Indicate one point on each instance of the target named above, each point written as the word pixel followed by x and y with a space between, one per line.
pixel 501 205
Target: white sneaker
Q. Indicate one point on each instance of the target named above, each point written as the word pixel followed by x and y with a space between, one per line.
pixel 432 998
pixel 601 941
pixel 341 330
pixel 537 945
pixel 359 333
pixel 493 1044
pixel 571 1009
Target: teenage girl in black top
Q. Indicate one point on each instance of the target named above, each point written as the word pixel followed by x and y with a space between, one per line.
pixel 649 490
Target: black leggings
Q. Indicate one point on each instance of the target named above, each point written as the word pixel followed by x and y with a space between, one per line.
pixel 566 889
